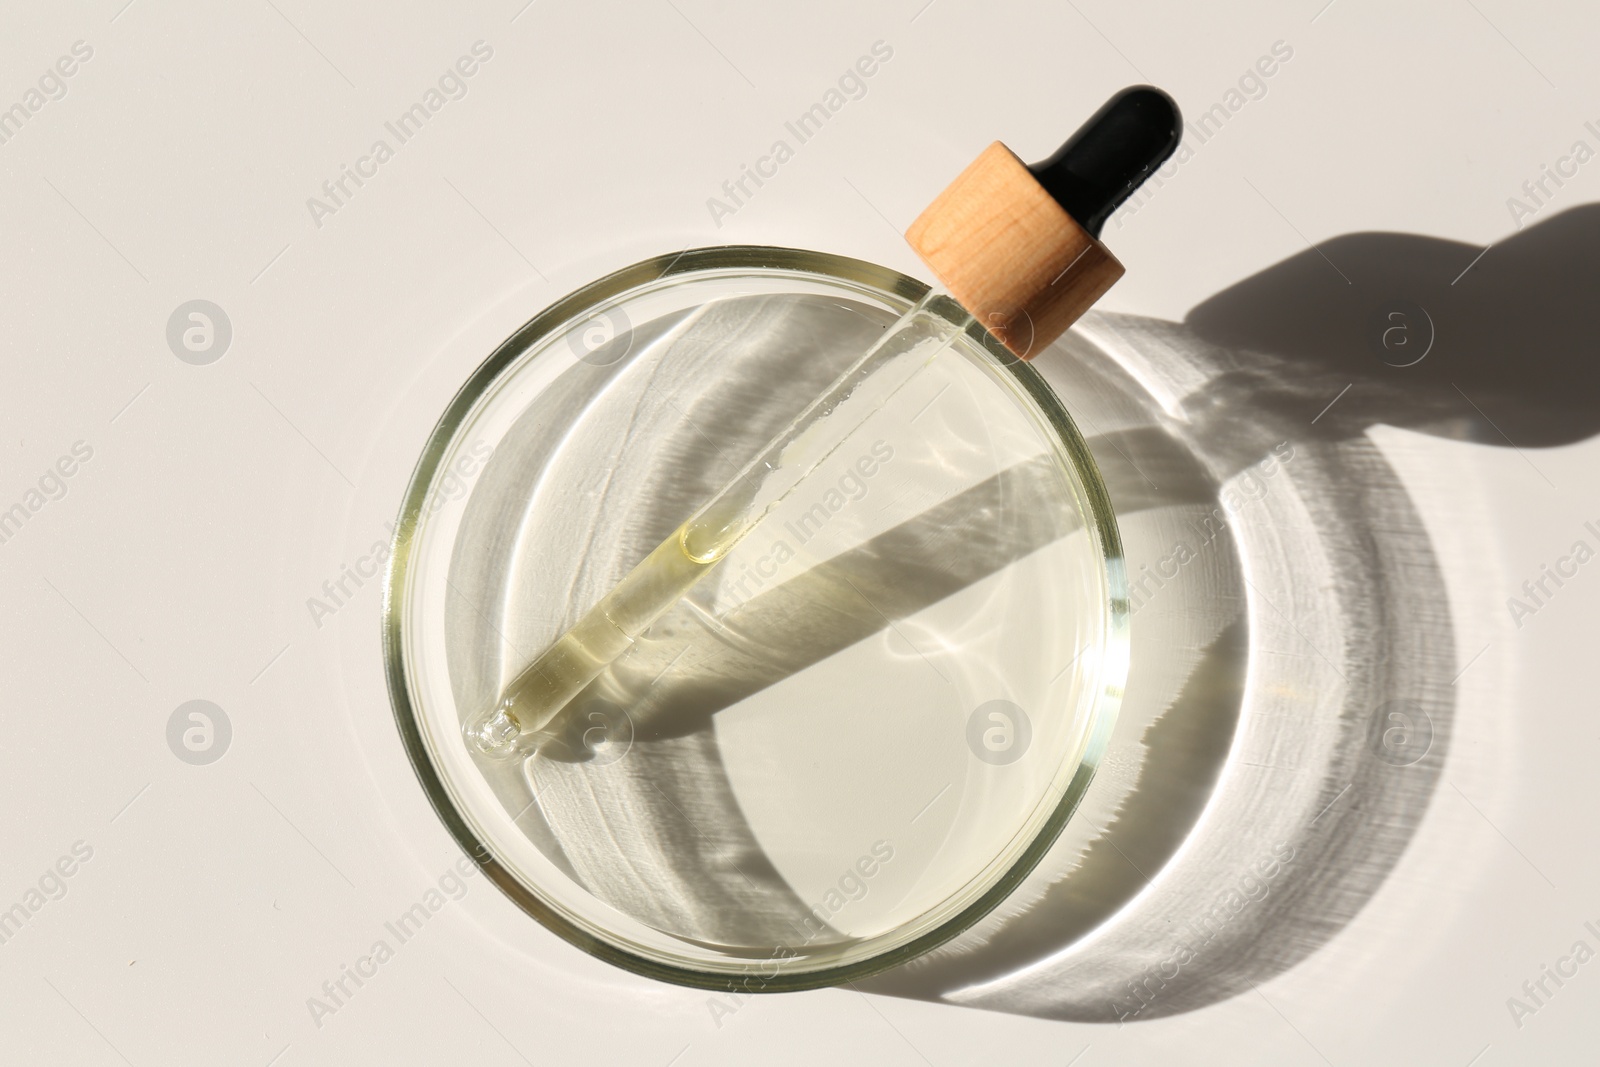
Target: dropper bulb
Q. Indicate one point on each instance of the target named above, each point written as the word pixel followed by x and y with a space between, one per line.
pixel 1111 155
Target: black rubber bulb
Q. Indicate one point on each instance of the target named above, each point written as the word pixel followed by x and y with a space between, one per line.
pixel 1106 160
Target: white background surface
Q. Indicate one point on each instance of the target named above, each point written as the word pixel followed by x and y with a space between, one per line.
pixel 219 498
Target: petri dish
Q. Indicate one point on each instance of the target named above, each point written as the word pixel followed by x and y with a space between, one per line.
pixel 860 732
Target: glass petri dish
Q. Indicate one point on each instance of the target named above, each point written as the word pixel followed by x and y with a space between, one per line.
pixel 855 737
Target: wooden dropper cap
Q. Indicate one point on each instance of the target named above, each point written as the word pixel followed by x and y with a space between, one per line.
pixel 1019 246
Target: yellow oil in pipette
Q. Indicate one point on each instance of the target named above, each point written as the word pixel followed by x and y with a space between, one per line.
pixel 536 695
pixel 598 638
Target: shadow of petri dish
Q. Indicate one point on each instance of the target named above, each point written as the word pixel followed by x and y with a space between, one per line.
pixel 852 741
pixel 1291 699
pixel 1268 629
pixel 1293 691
